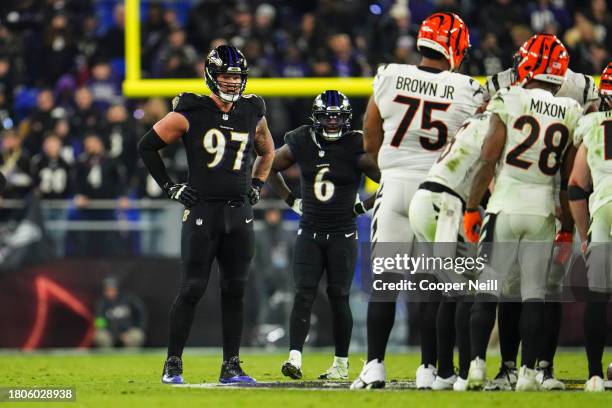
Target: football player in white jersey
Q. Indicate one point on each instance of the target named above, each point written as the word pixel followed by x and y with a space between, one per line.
pixel 593 167
pixel 583 90
pixel 436 214
pixel 412 114
pixel 530 138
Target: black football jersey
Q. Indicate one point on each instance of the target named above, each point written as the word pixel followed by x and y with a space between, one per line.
pixel 330 178
pixel 219 146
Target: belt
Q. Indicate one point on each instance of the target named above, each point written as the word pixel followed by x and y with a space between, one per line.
pixel 441 188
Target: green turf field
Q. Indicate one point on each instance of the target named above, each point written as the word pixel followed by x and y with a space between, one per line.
pixel 132 380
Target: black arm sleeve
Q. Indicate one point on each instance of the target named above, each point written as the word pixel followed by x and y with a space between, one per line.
pixel 148 147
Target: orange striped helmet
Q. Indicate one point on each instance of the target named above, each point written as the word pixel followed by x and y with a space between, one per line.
pixel 447 34
pixel 544 58
pixel 605 81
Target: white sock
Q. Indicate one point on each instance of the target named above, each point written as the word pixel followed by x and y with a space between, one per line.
pixel 341 361
pixel 295 357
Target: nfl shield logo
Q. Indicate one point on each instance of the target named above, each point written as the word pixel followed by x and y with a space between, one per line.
pixel 321 153
pixel 199 222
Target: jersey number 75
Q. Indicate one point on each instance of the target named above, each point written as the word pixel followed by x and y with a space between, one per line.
pixel 426 123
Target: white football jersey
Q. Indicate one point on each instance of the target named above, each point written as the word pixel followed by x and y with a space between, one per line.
pixel 539 128
pixel 455 166
pixel 595 131
pixel 421 110
pixel 579 87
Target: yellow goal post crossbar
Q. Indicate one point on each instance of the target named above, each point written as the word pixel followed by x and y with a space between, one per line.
pixel 135 86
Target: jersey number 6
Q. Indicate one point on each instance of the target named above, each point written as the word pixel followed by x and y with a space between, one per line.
pixel 323 189
pixel 426 122
pixel 214 143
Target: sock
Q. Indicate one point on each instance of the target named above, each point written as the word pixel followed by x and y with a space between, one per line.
pixel 446 337
pixel 232 320
pixel 482 320
pixel 552 326
pixel 532 322
pixel 381 316
pixel 427 323
pixel 508 323
pixel 341 361
pixel 299 322
pixel 295 357
pixel 462 334
pixel 595 317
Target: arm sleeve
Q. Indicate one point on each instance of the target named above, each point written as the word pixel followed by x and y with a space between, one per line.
pixel 148 148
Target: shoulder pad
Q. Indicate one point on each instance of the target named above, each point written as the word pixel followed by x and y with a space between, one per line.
pixel 257 102
pixel 186 101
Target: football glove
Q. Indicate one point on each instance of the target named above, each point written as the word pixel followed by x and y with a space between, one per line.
pixel 359 208
pixel 472 221
pixel 294 203
pixel 563 247
pixel 182 193
pixel 255 191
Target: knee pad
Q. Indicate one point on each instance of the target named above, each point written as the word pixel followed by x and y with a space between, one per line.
pixel 305 296
pixel 233 287
pixel 337 291
pixel 192 290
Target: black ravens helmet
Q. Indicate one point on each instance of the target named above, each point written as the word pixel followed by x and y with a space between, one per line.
pixel 226 60
pixel 331 115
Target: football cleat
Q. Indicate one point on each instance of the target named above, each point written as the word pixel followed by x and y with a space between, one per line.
pixel 527 380
pixel 460 384
pixel 232 373
pixel 425 376
pixel 173 371
pixel 337 371
pixel 504 380
pixel 372 376
pixel 443 384
pixel 595 384
pixel 291 370
pixel 546 377
pixel 477 374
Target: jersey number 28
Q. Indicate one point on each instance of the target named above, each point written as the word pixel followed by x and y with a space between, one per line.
pixel 214 143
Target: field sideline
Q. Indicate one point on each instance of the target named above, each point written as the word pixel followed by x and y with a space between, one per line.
pixel 121 380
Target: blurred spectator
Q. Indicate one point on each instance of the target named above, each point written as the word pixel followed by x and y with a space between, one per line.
pixel 120 318
pixel 488 59
pixel 15 165
pixel 389 33
pixel 69 148
pixel 600 16
pixel 85 117
pixel 154 30
pixel 544 13
pixel 344 62
pixel 104 89
pixel 499 17
pixel 176 59
pixel 50 172
pixel 579 39
pixel 120 137
pixel 40 121
pixel 241 27
pixel 58 51
pixel 112 43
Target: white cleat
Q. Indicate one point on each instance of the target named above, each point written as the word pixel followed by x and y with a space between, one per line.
pixel 425 376
pixel 546 378
pixel 504 380
pixel 460 384
pixel 373 375
pixel 527 380
pixel 336 372
pixel 595 384
pixel 477 374
pixel 443 384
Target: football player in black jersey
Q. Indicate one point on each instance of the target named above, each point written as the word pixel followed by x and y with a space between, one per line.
pixel 331 159
pixel 220 133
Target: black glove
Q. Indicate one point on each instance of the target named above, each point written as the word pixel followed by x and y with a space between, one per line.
pixel 294 203
pixel 182 193
pixel 359 208
pixel 256 185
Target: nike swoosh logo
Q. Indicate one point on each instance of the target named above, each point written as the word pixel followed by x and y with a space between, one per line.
pixel 247 220
pixel 349 235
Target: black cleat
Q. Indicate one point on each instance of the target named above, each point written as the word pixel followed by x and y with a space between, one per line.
pixel 173 371
pixel 231 373
pixel 291 371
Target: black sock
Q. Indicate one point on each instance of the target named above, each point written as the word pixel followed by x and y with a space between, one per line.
pixel 232 316
pixel 595 317
pixel 342 323
pixel 300 317
pixel 552 327
pixel 427 325
pixel 508 323
pixel 193 285
pixel 482 320
pixel 381 316
pixel 462 330
pixel 532 322
pixel 446 337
